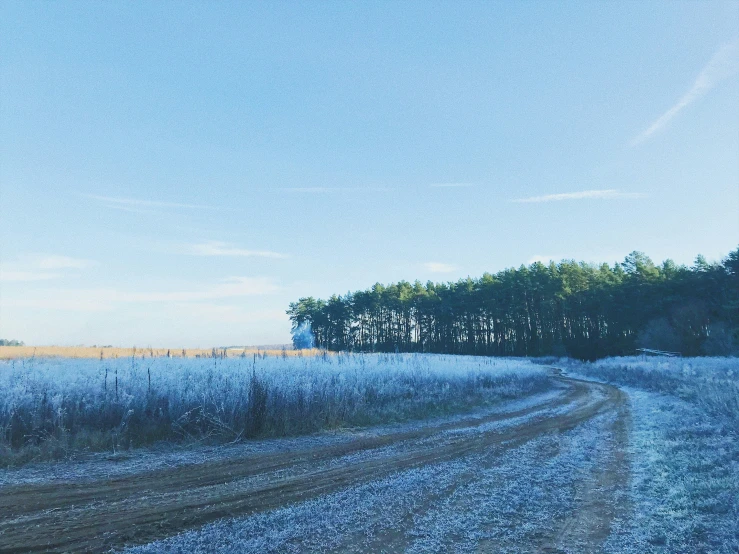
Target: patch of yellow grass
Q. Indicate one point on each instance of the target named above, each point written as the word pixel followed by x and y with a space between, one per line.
pixel 15 352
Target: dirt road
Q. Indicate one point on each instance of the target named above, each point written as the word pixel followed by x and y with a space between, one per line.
pixel 100 515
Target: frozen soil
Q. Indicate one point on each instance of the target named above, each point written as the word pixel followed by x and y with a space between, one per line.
pixel 541 474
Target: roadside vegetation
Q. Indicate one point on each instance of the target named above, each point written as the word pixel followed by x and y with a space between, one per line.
pixel 56 408
pixel 711 384
pixel 684 450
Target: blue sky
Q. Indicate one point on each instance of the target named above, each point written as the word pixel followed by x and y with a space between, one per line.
pixel 176 174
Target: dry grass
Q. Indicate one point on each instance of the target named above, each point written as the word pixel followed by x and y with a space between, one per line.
pixel 51 408
pixel 17 352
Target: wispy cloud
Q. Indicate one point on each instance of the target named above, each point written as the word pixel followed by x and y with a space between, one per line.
pixel 227 313
pixel 332 190
pixel 607 194
pixel 226 288
pixel 107 299
pixel 589 257
pixel 63 262
pixel 64 300
pixel 215 248
pixel 37 267
pixel 145 206
pixel 26 276
pixel 451 185
pixel 439 267
pixel 722 65
pixel 314 190
pixel 544 259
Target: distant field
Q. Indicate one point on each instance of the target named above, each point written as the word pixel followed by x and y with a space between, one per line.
pixel 16 352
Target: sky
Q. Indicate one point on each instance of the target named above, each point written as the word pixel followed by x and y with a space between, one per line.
pixel 175 174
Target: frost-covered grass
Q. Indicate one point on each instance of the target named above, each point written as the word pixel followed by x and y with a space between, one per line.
pixel 685 480
pixel 710 383
pixel 684 452
pixel 103 465
pixel 51 408
pixel 682 496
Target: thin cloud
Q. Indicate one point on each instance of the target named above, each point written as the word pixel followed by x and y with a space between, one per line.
pixel 26 276
pixel 608 194
pixel 314 190
pixel 439 267
pixel 29 268
pixel 722 65
pixel 542 259
pixel 215 248
pixel 329 190
pixel 107 299
pixel 592 257
pixel 64 299
pixel 64 262
pixel 227 288
pixel 451 185
pixel 140 206
pixel 226 313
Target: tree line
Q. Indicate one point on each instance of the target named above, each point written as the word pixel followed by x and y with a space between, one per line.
pixel 568 308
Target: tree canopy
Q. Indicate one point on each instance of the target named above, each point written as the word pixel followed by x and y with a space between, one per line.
pixel 570 308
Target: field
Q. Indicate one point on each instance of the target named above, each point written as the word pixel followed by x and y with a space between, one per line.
pixel 55 407
pixel 103 352
pixel 353 453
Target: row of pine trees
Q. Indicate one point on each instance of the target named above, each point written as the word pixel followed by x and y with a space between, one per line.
pixel 568 308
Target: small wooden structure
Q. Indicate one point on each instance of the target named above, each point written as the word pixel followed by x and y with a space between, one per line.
pixel 651 352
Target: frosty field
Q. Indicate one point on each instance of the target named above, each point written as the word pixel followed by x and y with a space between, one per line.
pixel 57 407
pixel 374 453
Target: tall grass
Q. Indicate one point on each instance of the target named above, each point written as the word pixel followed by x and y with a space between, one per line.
pixel 51 408
pixel 710 383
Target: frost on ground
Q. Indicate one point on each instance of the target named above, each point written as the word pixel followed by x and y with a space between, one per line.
pixel 681 493
pixel 684 451
pixel 583 467
pixel 146 506
pixel 685 480
pixel 499 500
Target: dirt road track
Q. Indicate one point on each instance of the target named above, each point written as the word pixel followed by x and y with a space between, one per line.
pixel 99 515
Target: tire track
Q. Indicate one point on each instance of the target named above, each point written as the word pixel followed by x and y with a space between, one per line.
pixel 600 496
pixel 135 509
pixel 27 498
pixel 581 531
